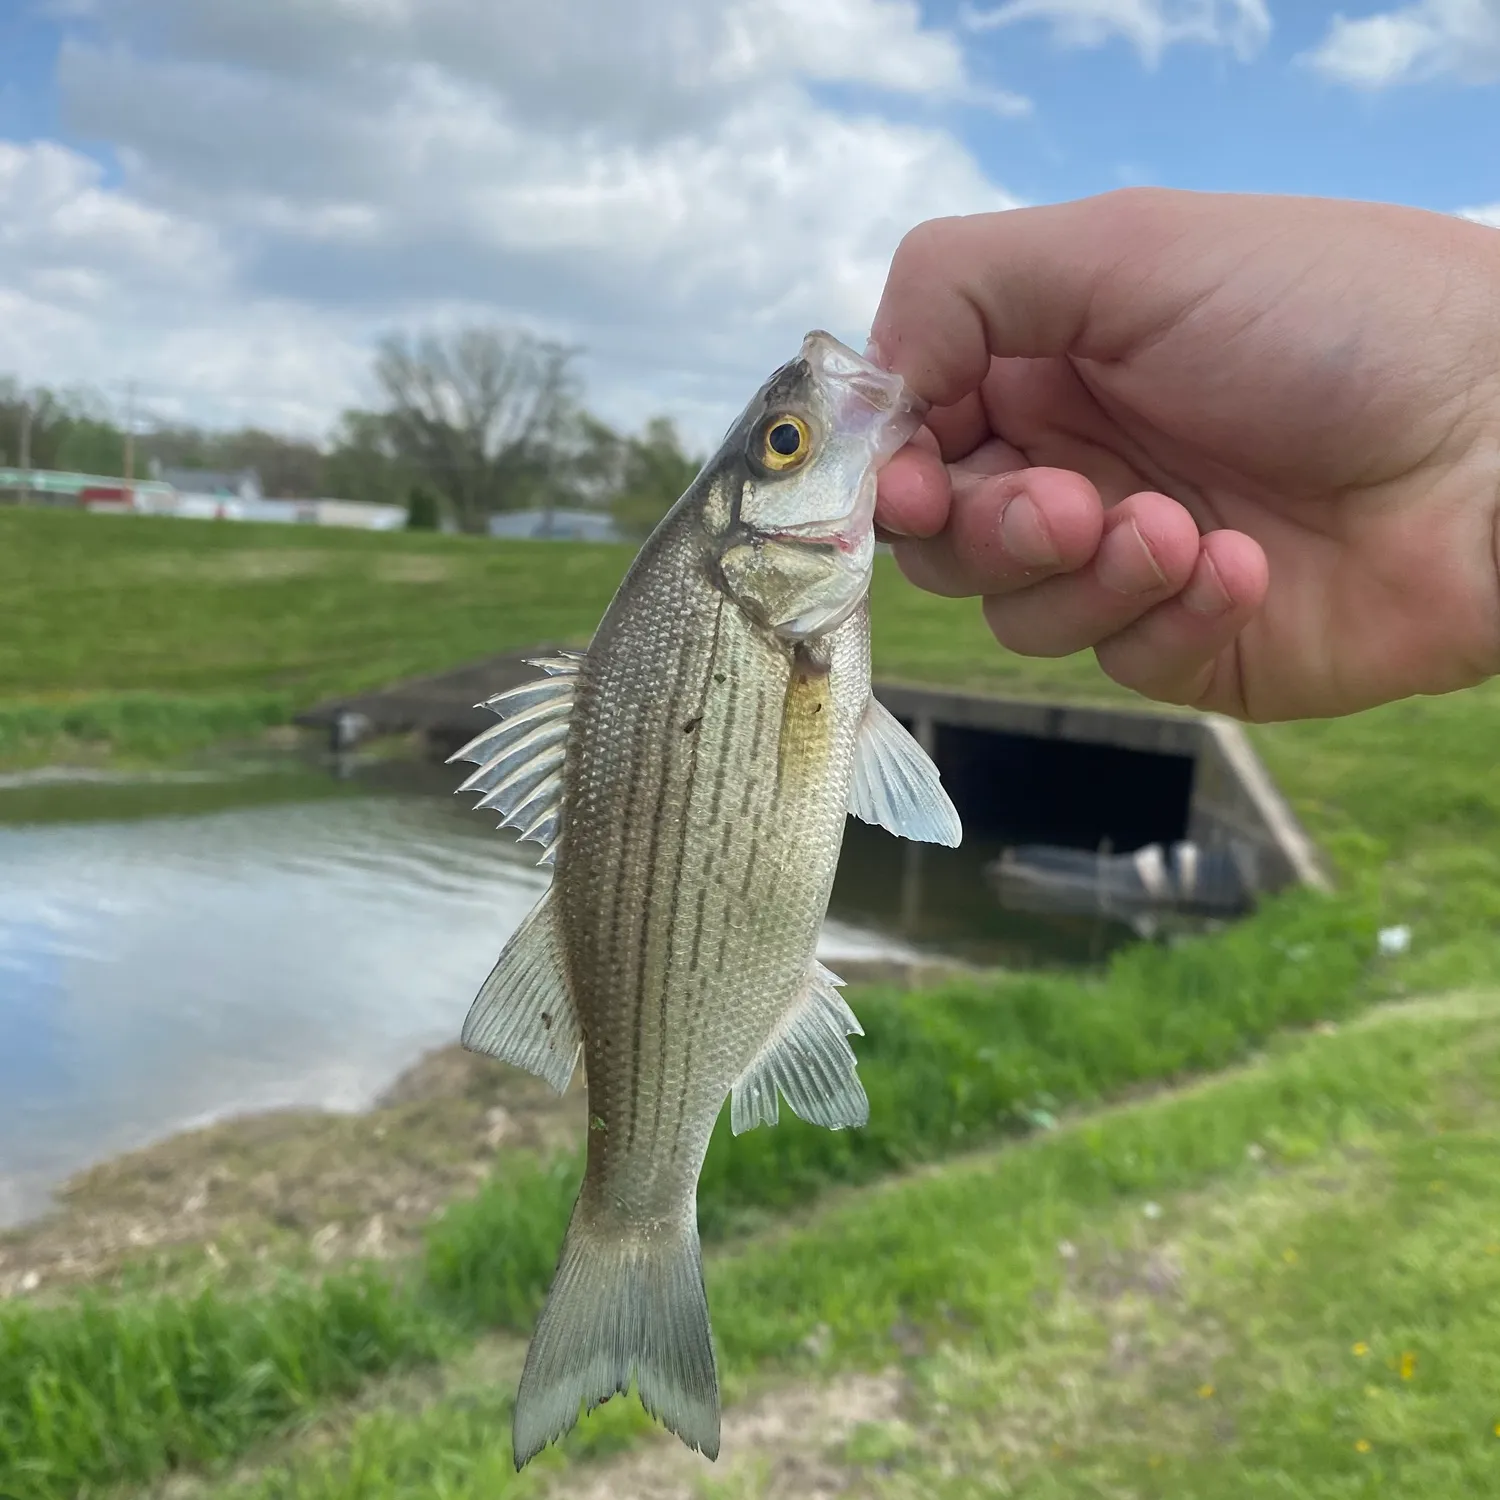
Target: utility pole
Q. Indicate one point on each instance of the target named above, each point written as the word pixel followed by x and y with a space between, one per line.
pixel 129 433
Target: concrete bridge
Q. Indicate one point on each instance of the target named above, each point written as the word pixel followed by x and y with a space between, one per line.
pixel 1030 772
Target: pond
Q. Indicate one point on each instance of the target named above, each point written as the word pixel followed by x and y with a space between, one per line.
pixel 181 948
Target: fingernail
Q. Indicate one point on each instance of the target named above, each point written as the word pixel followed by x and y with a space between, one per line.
pixel 1026 536
pixel 875 354
pixel 1205 593
pixel 885 532
pixel 1126 563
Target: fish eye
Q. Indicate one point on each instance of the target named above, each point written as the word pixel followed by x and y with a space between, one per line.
pixel 785 442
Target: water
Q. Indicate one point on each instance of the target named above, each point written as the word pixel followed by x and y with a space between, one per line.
pixel 180 949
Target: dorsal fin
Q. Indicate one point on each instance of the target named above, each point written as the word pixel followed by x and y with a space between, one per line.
pixel 520 759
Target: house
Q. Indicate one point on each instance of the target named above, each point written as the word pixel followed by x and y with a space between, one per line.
pixel 556 525
pixel 199 485
pixel 366 515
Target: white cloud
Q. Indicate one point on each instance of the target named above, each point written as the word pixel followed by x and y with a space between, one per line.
pixel 1150 26
pixel 99 288
pixel 1415 43
pixel 664 182
pixel 1489 214
pixel 57 220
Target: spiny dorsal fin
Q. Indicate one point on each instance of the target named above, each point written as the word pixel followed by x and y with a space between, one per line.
pixel 896 784
pixel 810 1061
pixel 524 1012
pixel 520 759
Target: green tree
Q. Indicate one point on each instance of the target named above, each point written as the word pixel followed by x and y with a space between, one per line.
pixel 31 423
pixel 424 511
pixel 289 468
pixel 88 445
pixel 654 473
pixel 479 414
pixel 363 464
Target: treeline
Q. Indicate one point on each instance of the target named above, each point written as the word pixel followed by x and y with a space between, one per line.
pixel 474 422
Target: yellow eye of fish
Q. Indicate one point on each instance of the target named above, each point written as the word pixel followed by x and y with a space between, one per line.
pixel 785 443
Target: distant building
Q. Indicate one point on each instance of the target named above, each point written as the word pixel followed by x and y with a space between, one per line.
pixel 360 514
pixel 368 515
pixel 556 526
pixel 92 491
pixel 211 484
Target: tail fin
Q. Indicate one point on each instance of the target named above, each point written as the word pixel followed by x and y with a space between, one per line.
pixel 622 1303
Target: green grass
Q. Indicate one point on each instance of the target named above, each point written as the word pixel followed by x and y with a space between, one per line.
pixel 1224 1291
pixel 151 635
pixel 949 1068
pixel 147 637
pixel 94 1392
pixel 945 1069
pixel 147 725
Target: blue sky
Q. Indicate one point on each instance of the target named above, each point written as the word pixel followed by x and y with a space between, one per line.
pixel 227 204
pixel 1202 119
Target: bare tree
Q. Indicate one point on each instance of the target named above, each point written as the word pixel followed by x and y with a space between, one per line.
pixel 476 412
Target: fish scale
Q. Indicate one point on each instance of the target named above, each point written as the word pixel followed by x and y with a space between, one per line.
pixel 712 740
pixel 764 866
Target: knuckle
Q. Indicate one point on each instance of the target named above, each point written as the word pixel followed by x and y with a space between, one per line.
pixel 1019 626
pixel 1131 206
pixel 1145 673
pixel 924 246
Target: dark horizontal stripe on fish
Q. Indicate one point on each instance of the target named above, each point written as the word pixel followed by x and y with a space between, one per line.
pixel 710 895
pixel 721 771
pixel 639 734
pixel 689 786
pixel 667 744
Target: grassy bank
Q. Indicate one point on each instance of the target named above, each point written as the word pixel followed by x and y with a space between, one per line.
pixel 947 1069
pixel 171 634
pixel 147 635
pixel 1262 1285
pixel 151 635
pixel 141 1385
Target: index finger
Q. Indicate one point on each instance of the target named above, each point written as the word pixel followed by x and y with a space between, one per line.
pixel 1025 283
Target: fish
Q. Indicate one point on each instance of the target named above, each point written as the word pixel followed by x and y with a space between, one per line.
pixel 688 777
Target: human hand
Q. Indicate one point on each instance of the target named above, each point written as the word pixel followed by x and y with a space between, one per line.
pixel 1247 448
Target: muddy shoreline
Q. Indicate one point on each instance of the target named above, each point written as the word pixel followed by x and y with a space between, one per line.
pixel 308 1186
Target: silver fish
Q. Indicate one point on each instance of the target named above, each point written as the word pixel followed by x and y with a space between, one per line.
pixel 689 777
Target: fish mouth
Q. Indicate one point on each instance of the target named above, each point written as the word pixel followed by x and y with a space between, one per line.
pixel 860 387
pixel 839 541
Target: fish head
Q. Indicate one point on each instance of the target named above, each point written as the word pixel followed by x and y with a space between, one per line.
pixel 799 535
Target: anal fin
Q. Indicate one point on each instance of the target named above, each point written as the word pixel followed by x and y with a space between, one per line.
pixel 524 1013
pixel 809 1061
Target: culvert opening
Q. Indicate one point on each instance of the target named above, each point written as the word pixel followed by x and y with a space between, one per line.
pixel 1064 782
pixel 1015 790
pixel 1025 789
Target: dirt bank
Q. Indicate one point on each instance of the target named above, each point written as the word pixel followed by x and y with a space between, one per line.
pixel 296 1184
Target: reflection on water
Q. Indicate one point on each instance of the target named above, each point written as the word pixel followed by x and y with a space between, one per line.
pixel 941 899
pixel 186 953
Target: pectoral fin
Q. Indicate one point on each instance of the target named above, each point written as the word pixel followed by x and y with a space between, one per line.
pixel 810 1061
pixel 896 784
pixel 520 759
pixel 524 1013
